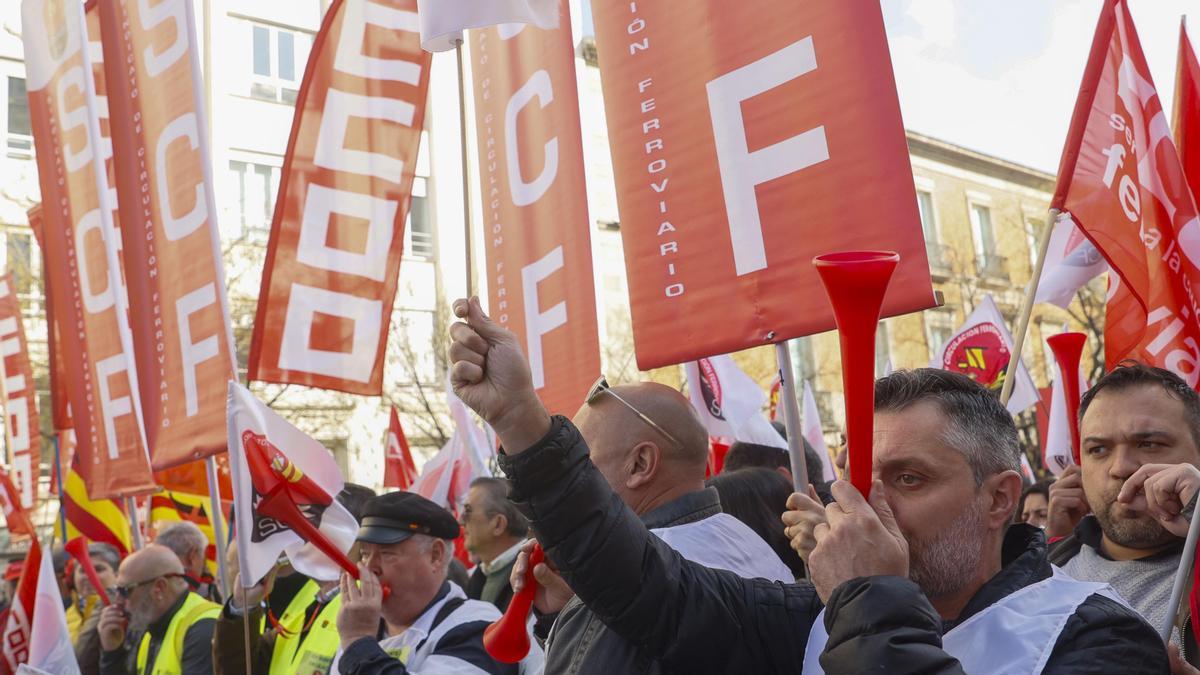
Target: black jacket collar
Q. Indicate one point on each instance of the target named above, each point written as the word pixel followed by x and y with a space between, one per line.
pixel 689 508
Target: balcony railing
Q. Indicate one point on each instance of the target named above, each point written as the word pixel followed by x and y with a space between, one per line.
pixel 992 266
pixel 939 258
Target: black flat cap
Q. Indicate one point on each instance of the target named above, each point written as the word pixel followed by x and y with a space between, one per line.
pixel 393 517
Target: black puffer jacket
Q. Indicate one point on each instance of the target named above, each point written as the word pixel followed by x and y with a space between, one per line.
pixel 699 620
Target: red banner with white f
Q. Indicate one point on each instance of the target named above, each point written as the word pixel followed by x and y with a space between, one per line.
pixel 21 427
pixel 537 242
pixel 334 255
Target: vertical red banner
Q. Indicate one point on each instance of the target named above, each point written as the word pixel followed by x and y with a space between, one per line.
pixel 81 258
pixel 333 259
pixel 21 428
pixel 748 137
pixel 60 409
pixel 1186 119
pixel 172 249
pixel 537 239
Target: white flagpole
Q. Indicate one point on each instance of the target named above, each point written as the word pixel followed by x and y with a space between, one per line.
pixel 791 417
pixel 1181 577
pixel 1027 307
pixel 466 176
pixel 134 525
pixel 215 517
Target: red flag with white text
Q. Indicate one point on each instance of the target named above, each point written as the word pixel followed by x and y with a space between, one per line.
pixel 36 633
pixel 22 428
pixel 399 470
pixel 538 250
pixel 81 253
pixel 334 255
pixel 1186 121
pixel 1121 180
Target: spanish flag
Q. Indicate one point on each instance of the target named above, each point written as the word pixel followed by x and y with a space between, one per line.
pixel 100 520
pixel 170 506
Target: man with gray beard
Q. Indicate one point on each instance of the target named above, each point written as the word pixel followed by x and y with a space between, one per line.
pixel 982 596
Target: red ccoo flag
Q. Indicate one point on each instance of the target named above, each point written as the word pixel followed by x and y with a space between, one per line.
pixel 399 469
pixel 10 501
pixel 1186 122
pixel 1121 180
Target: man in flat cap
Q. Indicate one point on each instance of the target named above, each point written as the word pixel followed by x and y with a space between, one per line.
pixel 426 623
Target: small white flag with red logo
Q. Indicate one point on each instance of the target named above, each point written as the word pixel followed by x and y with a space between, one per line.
pixel 284 489
pixel 1057 455
pixel 730 403
pixel 443 21
pixel 814 434
pixel 981 349
pixel 1071 261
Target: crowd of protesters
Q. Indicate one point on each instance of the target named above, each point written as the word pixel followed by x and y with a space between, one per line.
pixel 951 564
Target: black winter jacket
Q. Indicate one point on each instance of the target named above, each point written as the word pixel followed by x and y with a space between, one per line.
pixel 698 620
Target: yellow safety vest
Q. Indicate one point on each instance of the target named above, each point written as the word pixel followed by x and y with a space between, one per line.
pixel 315 652
pixel 170 654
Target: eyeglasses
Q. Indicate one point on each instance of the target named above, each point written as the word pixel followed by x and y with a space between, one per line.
pixel 127 590
pixel 601 387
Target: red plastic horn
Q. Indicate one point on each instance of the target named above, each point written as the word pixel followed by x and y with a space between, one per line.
pixel 1068 349
pixel 856 282
pixel 507 639
pixel 78 548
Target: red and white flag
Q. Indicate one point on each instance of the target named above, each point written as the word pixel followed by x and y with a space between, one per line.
pixel 284 486
pixel 1186 122
pixel 729 402
pixel 36 634
pixel 815 434
pixel 443 21
pixel 1071 261
pixel 171 248
pixel 1057 454
pixel 22 428
pixel 539 260
pixel 333 260
pixel 399 470
pixel 1121 179
pixel 81 252
pixel 447 475
pixel 981 350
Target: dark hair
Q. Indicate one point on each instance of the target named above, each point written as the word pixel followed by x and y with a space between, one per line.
pixel 355 497
pixel 107 553
pixel 497 503
pixel 757 496
pixel 743 455
pixel 1130 374
pixel 1042 487
pixel 979 426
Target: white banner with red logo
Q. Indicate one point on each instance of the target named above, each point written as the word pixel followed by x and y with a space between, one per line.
pixel 81 254
pixel 1057 454
pixel 729 402
pixel 333 260
pixel 748 137
pixel 981 349
pixel 22 428
pixel 1121 179
pixel 537 240
pixel 1071 261
pixel 172 250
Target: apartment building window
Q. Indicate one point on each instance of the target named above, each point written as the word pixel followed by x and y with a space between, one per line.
pixel 925 206
pixel 988 261
pixel 939 326
pixel 278 58
pixel 418 229
pixel 18 257
pixel 1033 234
pixel 18 134
pixel 255 186
pixel 883 350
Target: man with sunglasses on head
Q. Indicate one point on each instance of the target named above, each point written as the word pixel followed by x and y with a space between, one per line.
pixel 152 600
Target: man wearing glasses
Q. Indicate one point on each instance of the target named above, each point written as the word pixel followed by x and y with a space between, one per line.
pixel 175 625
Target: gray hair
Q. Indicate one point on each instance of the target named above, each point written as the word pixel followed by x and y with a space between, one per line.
pixel 183 538
pixel 425 544
pixel 978 425
pixel 496 502
pixel 108 554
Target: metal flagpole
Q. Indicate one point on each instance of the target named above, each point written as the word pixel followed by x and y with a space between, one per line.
pixel 131 507
pixel 466 176
pixel 791 417
pixel 62 495
pixel 1181 577
pixel 1027 307
pixel 216 518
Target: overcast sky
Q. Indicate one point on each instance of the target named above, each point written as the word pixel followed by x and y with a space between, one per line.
pixel 1001 76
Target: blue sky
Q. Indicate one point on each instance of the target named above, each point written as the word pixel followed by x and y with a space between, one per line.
pixel 1001 76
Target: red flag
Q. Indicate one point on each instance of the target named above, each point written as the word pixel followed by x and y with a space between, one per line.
pixel 334 255
pixel 539 260
pixel 172 250
pixel 1121 180
pixel 14 513
pixel 59 408
pixel 1186 122
pixel 399 469
pixel 80 253
pixel 17 631
pixel 747 137
pixel 20 409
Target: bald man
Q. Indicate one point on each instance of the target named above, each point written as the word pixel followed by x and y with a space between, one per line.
pixel 649 444
pixel 171 626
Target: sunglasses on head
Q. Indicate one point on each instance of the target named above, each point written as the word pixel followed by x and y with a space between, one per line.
pixel 127 590
pixel 601 387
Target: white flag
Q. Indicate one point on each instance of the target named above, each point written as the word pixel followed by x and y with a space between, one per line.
pixel 50 649
pixel 814 434
pixel 280 475
pixel 1071 261
pixel 730 403
pixel 1057 455
pixel 443 21
pixel 981 350
pixel 445 478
